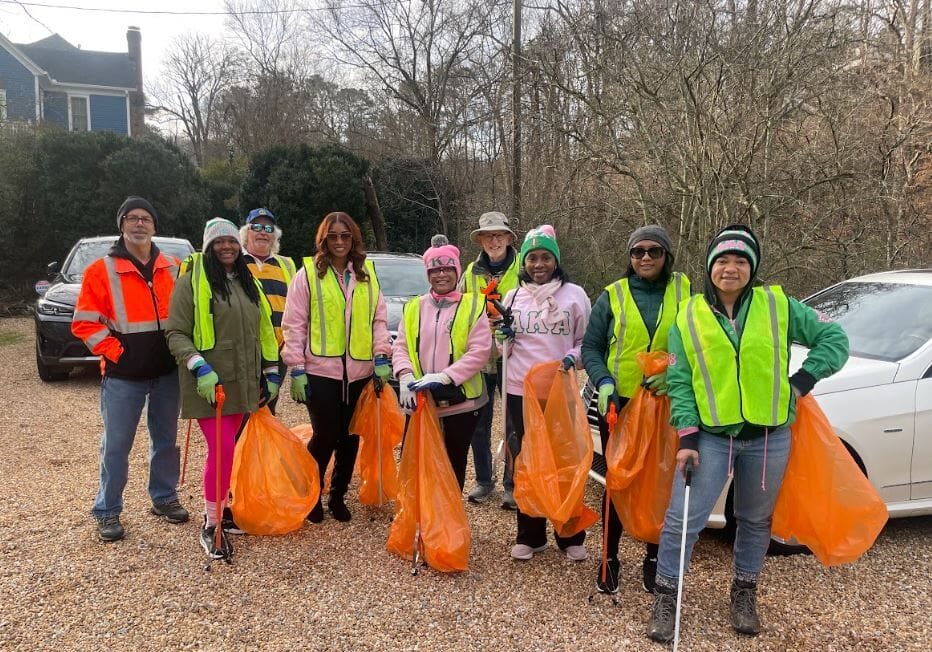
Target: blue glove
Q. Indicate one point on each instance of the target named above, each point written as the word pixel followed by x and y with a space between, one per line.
pixel 569 362
pixel 300 391
pixel 430 381
pixel 503 333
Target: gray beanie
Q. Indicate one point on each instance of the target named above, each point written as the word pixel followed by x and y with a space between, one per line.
pixel 132 202
pixel 219 228
pixel 653 232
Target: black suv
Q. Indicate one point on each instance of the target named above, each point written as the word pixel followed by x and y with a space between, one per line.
pixel 57 350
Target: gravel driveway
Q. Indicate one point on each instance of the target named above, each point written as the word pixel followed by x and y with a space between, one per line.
pixel 334 587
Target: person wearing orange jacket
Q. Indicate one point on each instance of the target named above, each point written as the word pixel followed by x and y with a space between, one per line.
pixel 120 315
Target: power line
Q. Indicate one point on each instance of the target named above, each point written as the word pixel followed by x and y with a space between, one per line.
pixel 250 12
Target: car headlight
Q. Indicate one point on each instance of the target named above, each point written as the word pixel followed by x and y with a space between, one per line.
pixel 46 307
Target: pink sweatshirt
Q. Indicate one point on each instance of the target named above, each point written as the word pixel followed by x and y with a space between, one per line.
pixel 434 350
pixel 534 342
pixel 296 349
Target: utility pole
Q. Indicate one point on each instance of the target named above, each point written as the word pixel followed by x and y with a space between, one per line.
pixel 516 113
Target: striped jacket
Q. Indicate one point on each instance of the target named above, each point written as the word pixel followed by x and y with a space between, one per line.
pixel 120 315
pixel 274 273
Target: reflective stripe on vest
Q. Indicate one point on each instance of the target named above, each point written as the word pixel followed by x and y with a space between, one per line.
pixel 204 337
pixel 630 335
pixel 287 265
pixel 760 365
pixel 327 311
pixel 463 322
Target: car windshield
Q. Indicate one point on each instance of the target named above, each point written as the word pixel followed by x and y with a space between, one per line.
pixel 85 253
pixel 401 277
pixel 886 321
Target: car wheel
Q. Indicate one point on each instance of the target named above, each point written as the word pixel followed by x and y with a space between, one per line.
pixel 49 373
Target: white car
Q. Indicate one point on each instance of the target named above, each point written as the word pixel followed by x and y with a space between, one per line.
pixel 880 402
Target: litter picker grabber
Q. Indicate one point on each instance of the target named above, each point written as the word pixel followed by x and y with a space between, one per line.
pixel 506 320
pixel 416 550
pixel 220 398
pixel 679 584
pixel 611 419
pixel 184 459
pixel 378 387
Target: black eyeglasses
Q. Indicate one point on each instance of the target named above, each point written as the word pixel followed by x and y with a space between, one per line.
pixel 654 252
pixel 259 228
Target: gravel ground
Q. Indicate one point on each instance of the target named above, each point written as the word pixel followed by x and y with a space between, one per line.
pixel 334 586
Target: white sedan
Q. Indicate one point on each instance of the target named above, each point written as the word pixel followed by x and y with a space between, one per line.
pixel 880 403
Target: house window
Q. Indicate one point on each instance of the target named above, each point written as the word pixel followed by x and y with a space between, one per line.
pixel 79 114
pixel 2 104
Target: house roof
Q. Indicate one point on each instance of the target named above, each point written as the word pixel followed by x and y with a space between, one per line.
pixel 67 64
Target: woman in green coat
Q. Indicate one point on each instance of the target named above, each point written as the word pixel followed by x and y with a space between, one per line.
pixel 220 331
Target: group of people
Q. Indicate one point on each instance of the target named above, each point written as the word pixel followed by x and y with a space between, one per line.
pixel 240 315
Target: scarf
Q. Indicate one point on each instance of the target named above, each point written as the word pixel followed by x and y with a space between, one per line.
pixel 551 314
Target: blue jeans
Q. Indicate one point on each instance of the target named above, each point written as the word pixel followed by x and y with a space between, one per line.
pixel 482 440
pixel 121 403
pixel 753 505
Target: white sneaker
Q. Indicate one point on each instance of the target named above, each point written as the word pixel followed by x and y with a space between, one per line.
pixel 576 553
pixel 525 552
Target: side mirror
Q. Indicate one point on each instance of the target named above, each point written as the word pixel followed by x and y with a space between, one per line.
pixel 52 269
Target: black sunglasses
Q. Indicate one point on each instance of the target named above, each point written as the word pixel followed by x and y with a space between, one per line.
pixel 259 228
pixel 654 252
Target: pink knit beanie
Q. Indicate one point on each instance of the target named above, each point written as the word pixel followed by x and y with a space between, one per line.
pixel 442 254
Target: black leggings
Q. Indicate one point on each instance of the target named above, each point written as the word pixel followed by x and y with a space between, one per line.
pixel 532 530
pixel 613 536
pixel 330 419
pixel 457 435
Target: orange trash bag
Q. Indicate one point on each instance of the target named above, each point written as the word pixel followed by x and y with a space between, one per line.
pixel 429 504
pixel 641 457
pixel 275 481
pixel 825 501
pixel 365 423
pixel 556 452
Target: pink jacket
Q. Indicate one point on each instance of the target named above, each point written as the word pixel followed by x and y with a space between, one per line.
pixel 534 342
pixel 434 350
pixel 296 350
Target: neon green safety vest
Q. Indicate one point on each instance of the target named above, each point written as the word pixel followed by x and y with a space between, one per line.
pixel 327 310
pixel 287 266
pixel 474 282
pixel 203 317
pixel 759 365
pixel 630 335
pixel 463 322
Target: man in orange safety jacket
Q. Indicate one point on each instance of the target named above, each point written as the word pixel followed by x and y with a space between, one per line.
pixel 119 315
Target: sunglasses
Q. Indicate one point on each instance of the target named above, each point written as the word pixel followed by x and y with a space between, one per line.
pixel 259 228
pixel 654 252
pixel 336 237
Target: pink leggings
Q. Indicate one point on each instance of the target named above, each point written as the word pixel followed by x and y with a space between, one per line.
pixel 229 426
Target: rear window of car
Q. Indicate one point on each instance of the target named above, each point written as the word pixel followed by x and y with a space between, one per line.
pixel 885 321
pixel 401 277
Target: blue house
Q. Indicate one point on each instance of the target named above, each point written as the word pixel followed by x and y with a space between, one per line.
pixel 54 82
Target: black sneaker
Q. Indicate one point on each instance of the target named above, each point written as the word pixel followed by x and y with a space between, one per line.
pixel 209 544
pixel 109 528
pixel 172 511
pixel 610 583
pixel 228 524
pixel 744 608
pixel 316 515
pixel 649 573
pixel 338 509
pixel 662 616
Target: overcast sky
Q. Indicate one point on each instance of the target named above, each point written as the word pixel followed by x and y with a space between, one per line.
pixel 107 31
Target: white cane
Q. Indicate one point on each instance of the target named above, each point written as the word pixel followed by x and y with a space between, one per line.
pixel 679 586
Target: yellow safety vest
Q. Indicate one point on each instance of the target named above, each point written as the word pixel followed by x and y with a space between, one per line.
pixel 287 266
pixel 463 322
pixel 327 310
pixel 630 335
pixel 758 365
pixel 204 339
pixel 475 283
